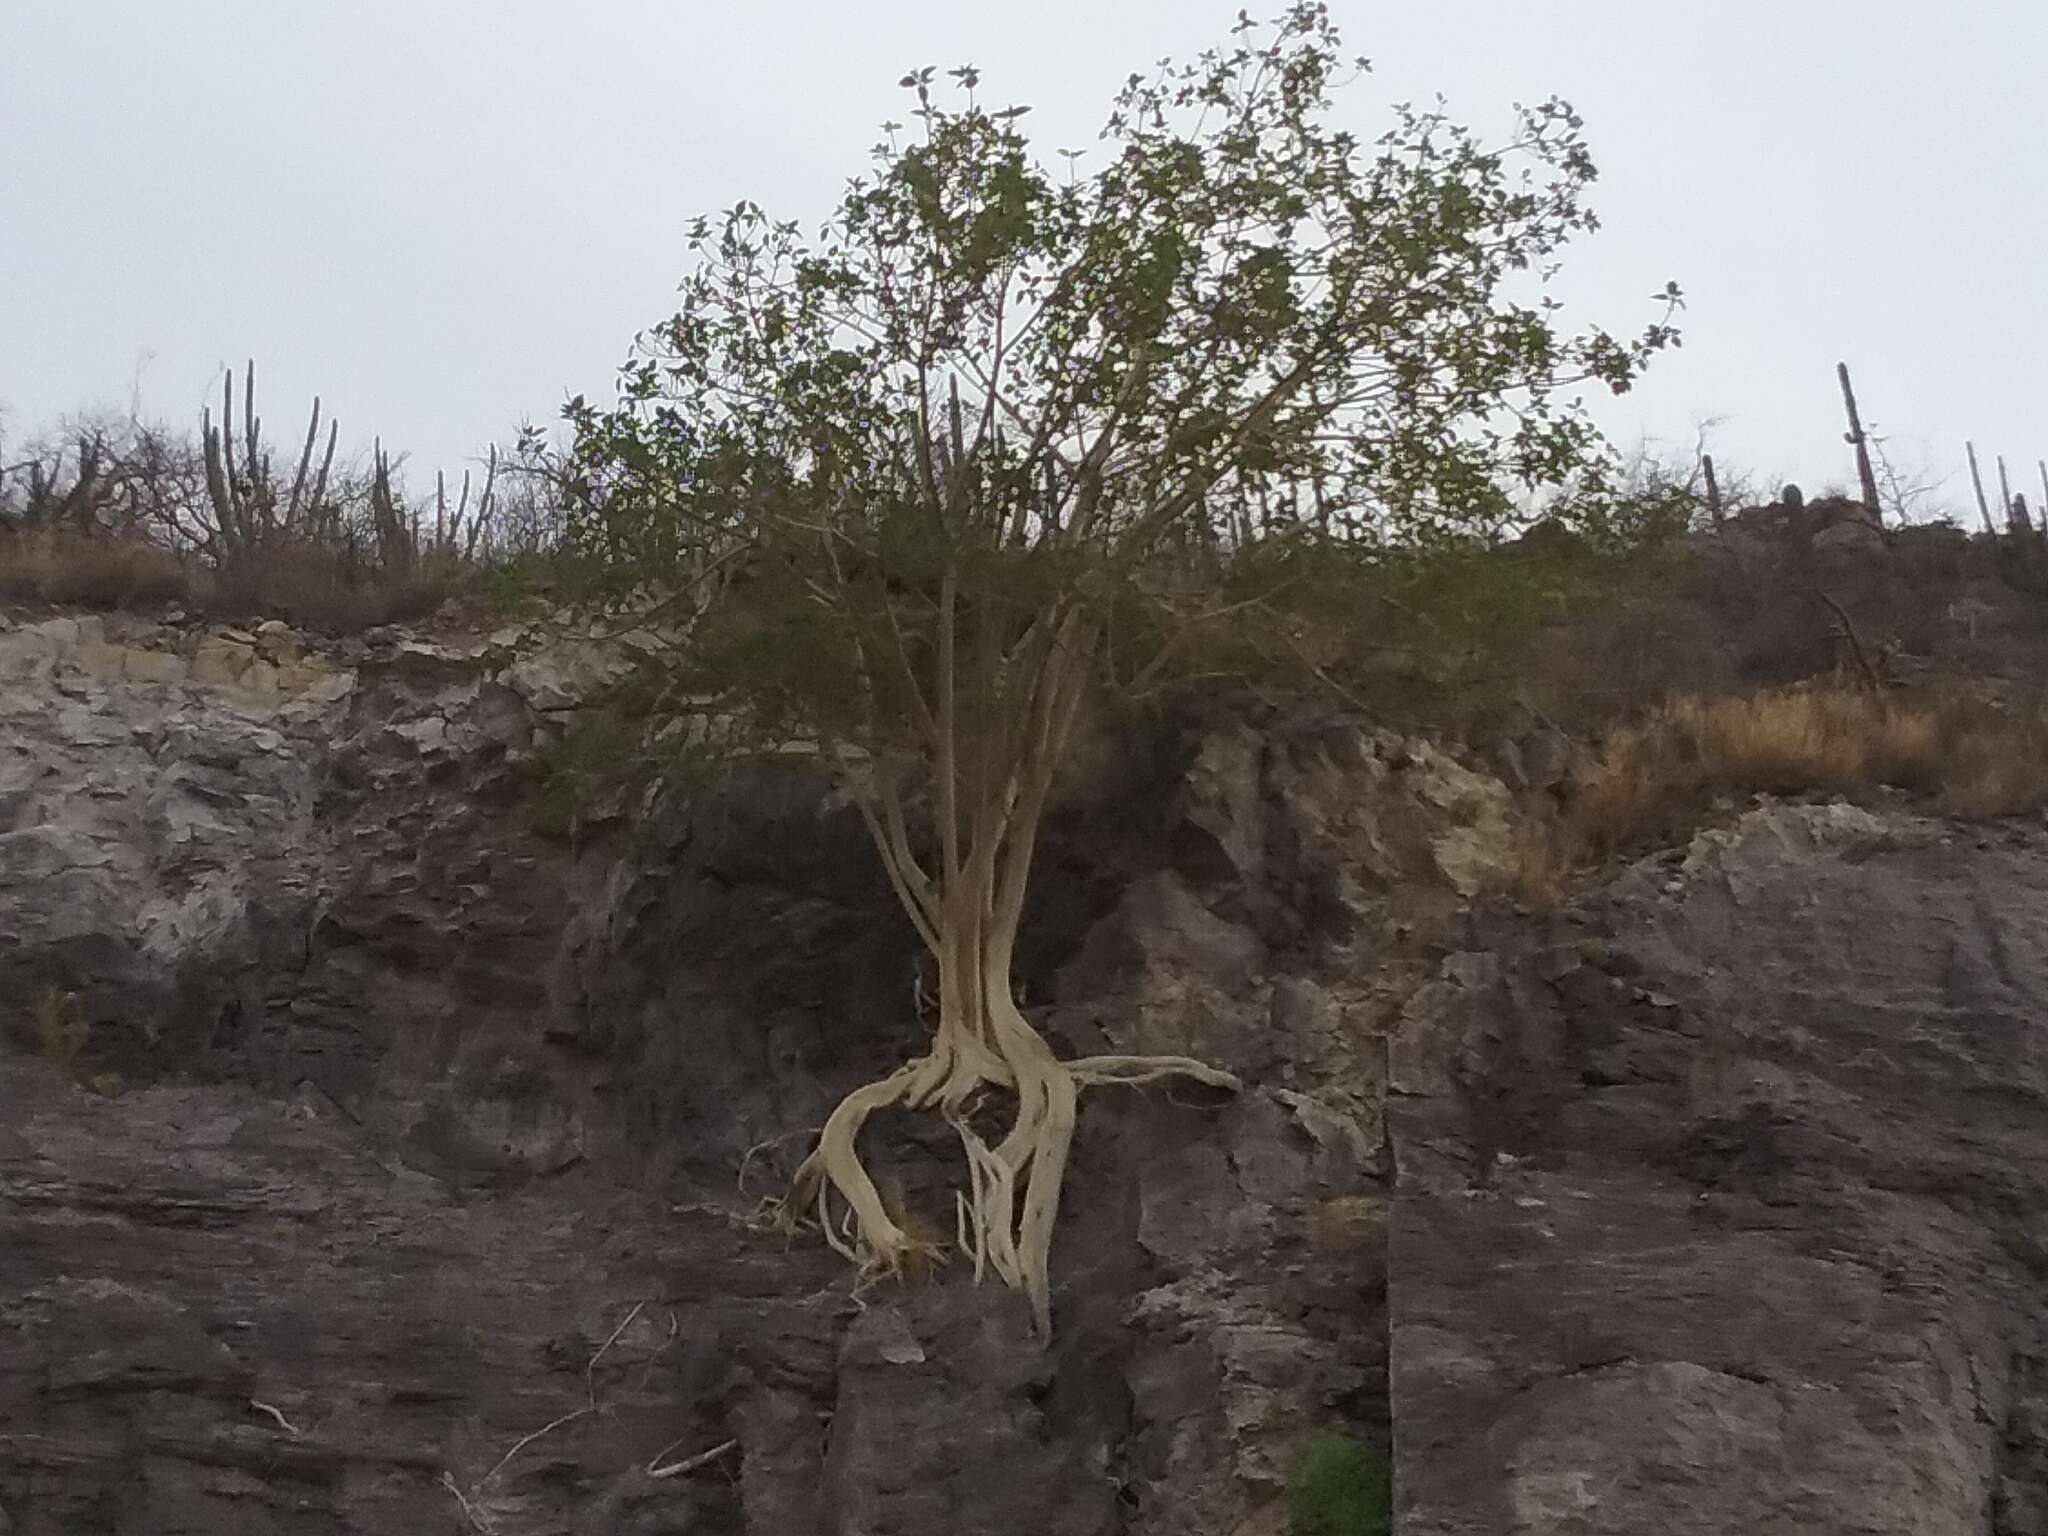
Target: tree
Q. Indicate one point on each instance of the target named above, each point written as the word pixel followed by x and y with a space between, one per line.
pixel 250 505
pixel 1002 441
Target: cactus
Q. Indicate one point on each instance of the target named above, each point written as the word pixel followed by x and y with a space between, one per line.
pixel 2015 511
pixel 456 534
pixel 1857 439
pixel 1977 481
pixel 396 530
pixel 247 508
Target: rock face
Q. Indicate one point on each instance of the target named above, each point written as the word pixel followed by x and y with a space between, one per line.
pixel 1721 1209
pixel 141 811
pixel 410 1195
pixel 403 1178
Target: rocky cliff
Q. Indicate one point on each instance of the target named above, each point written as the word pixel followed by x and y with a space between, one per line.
pixel 402 1180
pixel 1719 1204
pixel 398 1182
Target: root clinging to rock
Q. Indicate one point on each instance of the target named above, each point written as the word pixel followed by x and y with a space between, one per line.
pixel 1005 1215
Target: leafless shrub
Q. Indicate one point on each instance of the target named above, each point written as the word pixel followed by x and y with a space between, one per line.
pixel 1909 488
pixel 99 475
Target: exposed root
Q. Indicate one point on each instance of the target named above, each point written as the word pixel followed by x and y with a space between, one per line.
pixel 1130 1071
pixel 283 1423
pixel 1004 1217
pixel 747 1160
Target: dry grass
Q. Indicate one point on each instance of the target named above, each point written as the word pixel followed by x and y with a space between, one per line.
pixel 316 590
pixel 101 571
pixel 310 586
pixel 1654 778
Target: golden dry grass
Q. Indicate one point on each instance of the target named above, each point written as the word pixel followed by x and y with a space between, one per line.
pixel 1654 777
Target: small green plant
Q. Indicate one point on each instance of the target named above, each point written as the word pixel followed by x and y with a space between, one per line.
pixel 1340 1487
pixel 601 759
pixel 61 1028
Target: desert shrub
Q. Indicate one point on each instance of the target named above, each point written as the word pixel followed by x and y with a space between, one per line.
pixel 1340 1487
pixel 1744 607
pixel 601 762
pixel 1655 775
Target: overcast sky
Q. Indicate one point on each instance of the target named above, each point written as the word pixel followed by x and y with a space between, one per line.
pixel 446 215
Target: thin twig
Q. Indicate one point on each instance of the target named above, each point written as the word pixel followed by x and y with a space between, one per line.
pixel 590 1370
pixel 675 1327
pixel 284 1423
pixel 688 1463
pixel 526 1440
pixel 773 1141
pixel 589 1406
pixel 478 1521
pixel 1869 672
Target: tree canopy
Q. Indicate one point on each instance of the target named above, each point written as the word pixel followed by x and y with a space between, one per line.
pixel 1216 399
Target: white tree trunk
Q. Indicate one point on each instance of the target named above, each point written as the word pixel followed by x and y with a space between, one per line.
pixel 983 1045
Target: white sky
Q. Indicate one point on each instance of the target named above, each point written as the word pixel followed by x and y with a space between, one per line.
pixel 446 215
